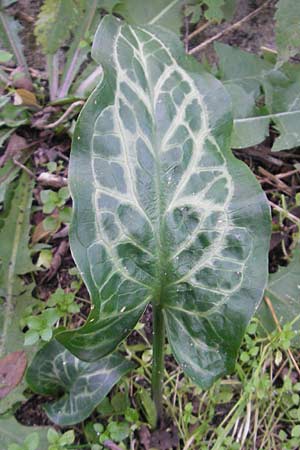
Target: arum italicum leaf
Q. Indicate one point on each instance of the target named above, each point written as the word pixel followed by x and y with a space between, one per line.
pixel 84 385
pixel 163 212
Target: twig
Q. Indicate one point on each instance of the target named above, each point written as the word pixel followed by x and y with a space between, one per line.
pixel 229 29
pixel 280 184
pixel 111 445
pixel 287 174
pixel 289 215
pixel 65 114
pixel 273 313
pixel 198 30
pixel 189 442
pixel 17 163
pixel 247 424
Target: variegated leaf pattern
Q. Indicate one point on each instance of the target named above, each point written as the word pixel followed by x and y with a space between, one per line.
pixel 163 211
pixel 84 385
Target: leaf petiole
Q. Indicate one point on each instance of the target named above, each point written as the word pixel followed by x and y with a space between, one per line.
pixel 158 359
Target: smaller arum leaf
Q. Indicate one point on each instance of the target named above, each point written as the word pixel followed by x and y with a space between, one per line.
pixel 283 291
pixel 242 74
pixel 84 385
pixel 245 77
pixel 287 29
pixel 281 89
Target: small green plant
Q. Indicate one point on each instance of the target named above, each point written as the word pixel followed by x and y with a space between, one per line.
pixel 54 203
pixel 59 441
pixel 122 421
pixel 60 305
pixel 41 326
pixel 64 303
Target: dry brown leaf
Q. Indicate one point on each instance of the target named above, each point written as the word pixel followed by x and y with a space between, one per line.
pixel 14 147
pixel 57 259
pixel 40 233
pixel 12 368
pixel 26 98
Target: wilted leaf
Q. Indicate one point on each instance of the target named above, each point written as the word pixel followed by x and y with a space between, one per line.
pixel 84 385
pixel 12 368
pixel 163 211
pixel 41 232
pixel 25 97
pixel 284 292
pixel 15 145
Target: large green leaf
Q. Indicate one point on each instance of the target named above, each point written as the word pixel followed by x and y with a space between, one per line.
pixel 284 292
pixel 84 385
pixel 12 432
pixel 163 212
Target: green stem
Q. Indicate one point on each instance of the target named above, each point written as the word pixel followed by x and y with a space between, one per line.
pixel 158 359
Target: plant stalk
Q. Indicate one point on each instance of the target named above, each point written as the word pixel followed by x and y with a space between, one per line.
pixel 158 360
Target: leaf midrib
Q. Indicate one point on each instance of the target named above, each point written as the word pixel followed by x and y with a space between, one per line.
pixel 162 254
